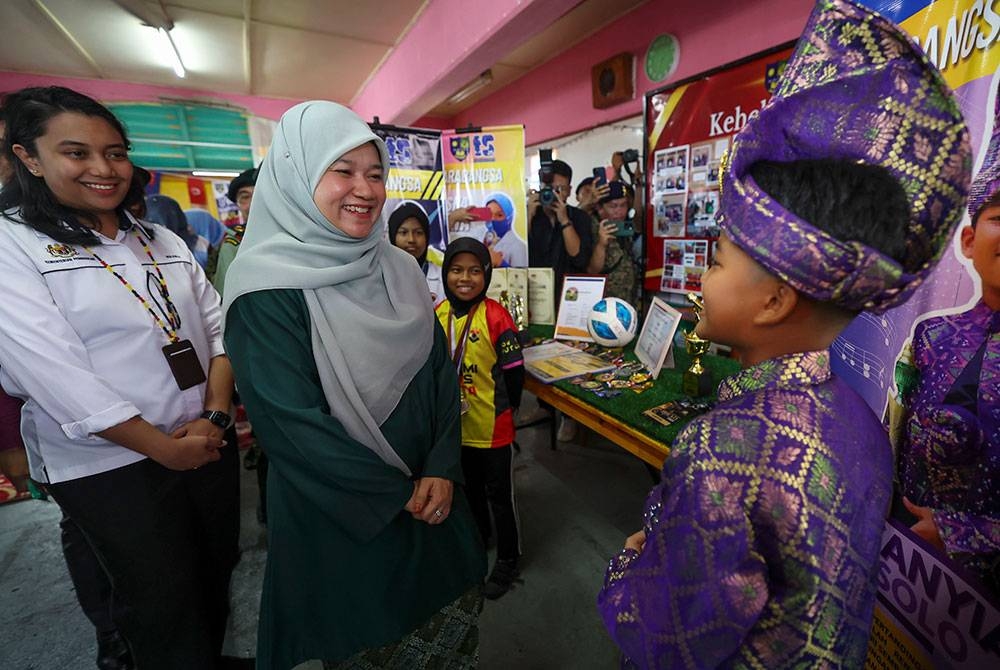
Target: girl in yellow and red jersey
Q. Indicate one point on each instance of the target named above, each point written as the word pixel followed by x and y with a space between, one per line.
pixel 487 355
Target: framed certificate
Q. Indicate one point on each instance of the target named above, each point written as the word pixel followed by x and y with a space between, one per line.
pixel 541 296
pixel 579 295
pixel 498 283
pixel 657 335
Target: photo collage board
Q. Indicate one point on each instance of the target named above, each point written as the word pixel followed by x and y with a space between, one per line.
pixel 689 127
pixel 685 203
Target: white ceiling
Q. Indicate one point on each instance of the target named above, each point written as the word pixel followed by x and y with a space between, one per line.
pixel 282 48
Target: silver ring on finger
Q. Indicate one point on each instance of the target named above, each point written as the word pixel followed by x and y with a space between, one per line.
pixel 438 513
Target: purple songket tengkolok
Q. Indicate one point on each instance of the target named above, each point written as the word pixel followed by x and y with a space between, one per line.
pixel 762 538
pixel 856 88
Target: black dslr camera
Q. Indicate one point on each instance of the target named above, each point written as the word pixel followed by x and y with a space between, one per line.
pixel 546 195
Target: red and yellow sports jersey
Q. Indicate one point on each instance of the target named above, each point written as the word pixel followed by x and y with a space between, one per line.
pixel 492 347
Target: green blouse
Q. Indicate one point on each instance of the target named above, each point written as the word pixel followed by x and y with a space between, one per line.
pixel 347 568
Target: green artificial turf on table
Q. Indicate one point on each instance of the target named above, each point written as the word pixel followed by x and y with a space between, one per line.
pixel 628 407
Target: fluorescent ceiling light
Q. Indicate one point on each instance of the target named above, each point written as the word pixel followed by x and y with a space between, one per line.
pixel 171 49
pixel 477 84
pixel 215 173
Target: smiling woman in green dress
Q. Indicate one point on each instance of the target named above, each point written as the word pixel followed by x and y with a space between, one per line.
pixel 373 552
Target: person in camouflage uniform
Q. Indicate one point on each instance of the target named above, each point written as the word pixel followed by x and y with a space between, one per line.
pixel 612 254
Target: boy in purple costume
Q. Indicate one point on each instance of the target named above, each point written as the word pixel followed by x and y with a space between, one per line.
pixel 950 456
pixel 760 546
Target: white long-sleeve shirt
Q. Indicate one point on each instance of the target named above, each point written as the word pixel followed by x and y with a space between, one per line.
pixel 84 353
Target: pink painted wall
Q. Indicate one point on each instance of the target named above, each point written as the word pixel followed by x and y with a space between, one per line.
pixel 436 122
pixel 116 91
pixel 555 99
pixel 451 43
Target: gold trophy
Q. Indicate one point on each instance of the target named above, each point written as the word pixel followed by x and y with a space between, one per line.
pixel 504 301
pixel 697 379
pixel 514 304
pixel 518 312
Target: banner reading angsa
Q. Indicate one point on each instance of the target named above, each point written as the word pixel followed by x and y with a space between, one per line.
pixel 484 193
pixel 415 177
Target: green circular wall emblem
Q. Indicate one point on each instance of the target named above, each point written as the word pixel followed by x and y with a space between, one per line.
pixel 662 57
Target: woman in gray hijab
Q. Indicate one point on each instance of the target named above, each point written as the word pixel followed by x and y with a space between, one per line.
pixel 374 558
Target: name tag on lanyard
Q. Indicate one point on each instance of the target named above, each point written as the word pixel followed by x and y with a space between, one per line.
pixel 184 364
pixel 180 354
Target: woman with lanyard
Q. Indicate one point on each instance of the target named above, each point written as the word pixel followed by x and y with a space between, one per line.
pixel 374 559
pixel 110 332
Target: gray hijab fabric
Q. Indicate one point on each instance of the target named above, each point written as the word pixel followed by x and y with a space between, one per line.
pixel 372 327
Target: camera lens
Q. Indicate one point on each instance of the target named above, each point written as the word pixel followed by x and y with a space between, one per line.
pixel 546 196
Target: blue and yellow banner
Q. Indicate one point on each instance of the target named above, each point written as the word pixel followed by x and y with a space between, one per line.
pixel 415 176
pixel 484 190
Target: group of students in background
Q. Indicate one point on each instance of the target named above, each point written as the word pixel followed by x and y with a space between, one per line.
pixel 388 423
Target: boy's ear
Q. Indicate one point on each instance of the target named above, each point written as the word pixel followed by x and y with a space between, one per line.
pixel 780 301
pixel 968 236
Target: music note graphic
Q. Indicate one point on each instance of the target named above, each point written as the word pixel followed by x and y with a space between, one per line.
pixel 869 366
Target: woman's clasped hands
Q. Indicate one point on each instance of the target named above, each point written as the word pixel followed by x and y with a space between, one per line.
pixel 431 499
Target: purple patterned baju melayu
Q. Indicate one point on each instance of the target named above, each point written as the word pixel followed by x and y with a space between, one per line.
pixel 950 459
pixel 762 538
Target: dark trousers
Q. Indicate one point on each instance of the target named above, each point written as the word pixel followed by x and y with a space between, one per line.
pixel 168 541
pixel 90 581
pixel 489 487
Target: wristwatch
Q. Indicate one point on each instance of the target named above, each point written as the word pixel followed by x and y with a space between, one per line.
pixel 217 418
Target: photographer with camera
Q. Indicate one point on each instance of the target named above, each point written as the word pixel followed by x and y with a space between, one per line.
pixel 559 235
pixel 612 254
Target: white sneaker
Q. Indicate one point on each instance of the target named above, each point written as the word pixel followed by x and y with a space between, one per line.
pixel 537 416
pixel 567 430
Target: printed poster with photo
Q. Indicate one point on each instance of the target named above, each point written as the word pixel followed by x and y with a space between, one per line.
pixel 484 191
pixel 689 126
pixel 670 192
pixel 415 176
pixel 684 262
pixel 868 349
pixel 703 182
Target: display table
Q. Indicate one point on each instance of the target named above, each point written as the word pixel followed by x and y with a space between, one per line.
pixel 621 419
